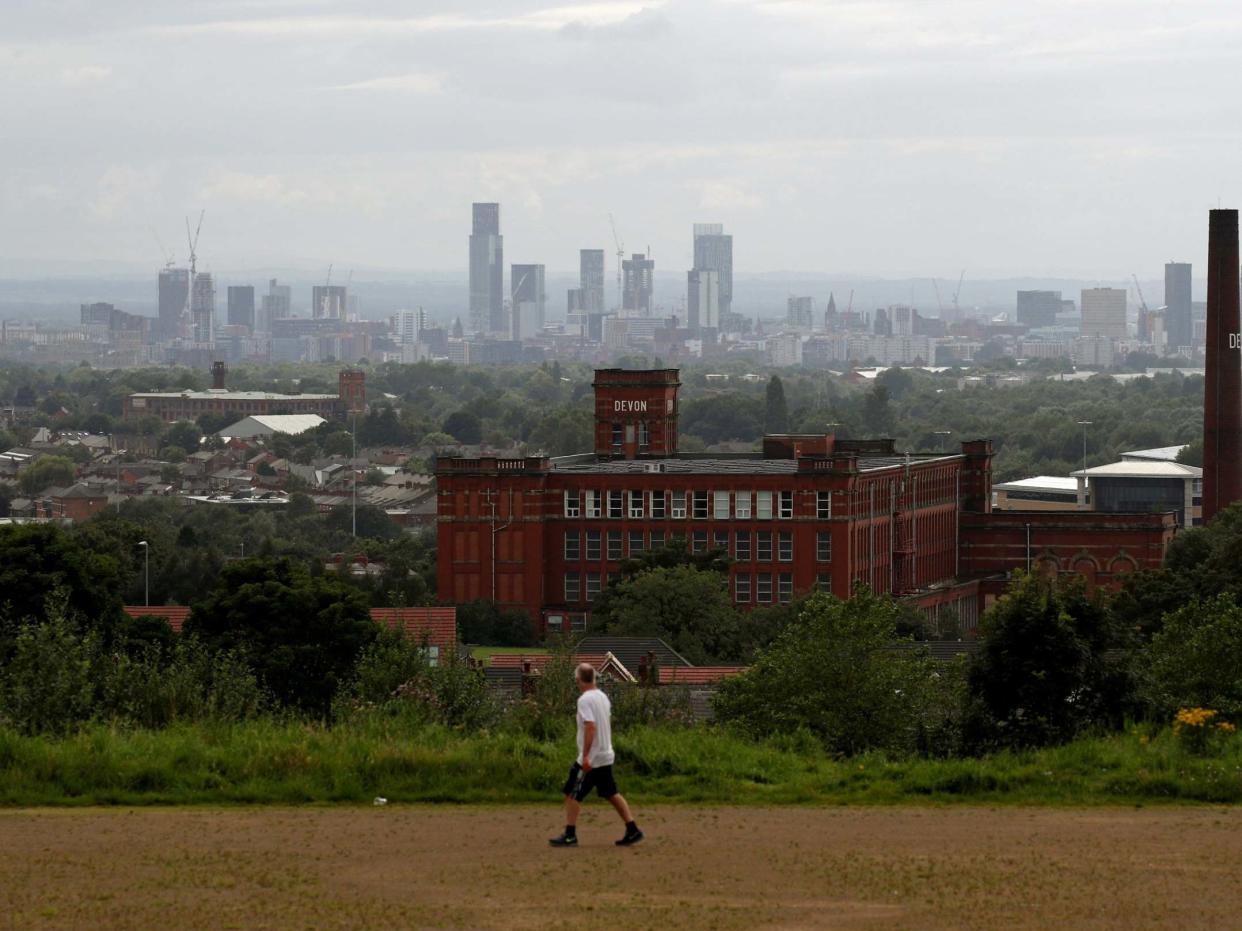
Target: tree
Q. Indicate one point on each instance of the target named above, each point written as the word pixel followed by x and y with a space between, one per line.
pixel 1052 661
pixel 483 623
pixel 373 522
pixel 877 416
pixel 300 634
pixel 185 434
pixel 46 472
pixel 37 560
pixel 1195 659
pixel 687 608
pixel 776 411
pixel 838 672
pixel 465 427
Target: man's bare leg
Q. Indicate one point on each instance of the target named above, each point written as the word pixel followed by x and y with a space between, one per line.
pixel 572 807
pixel 618 802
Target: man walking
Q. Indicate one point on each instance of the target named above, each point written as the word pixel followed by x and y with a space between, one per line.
pixel 593 770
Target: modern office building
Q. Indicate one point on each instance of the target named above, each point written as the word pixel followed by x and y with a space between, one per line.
pixel 713 250
pixel 528 302
pixel 203 309
pixel 1178 314
pixel 591 280
pixel 276 305
pixel 174 292
pixel 544 536
pixel 1104 313
pixel 800 312
pixel 406 325
pixel 702 301
pixel 637 284
pixel 241 306
pixel 329 302
pixel 1038 308
pixel 487 270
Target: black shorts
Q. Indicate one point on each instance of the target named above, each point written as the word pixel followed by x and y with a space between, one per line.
pixel 598 778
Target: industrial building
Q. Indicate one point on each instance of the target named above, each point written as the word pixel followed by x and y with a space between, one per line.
pixel 545 535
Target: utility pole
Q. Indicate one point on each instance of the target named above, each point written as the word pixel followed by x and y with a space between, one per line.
pixel 146 572
pixel 1086 485
pixel 353 468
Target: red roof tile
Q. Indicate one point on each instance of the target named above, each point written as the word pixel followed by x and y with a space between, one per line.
pixel 697 675
pixel 439 625
pixel 174 614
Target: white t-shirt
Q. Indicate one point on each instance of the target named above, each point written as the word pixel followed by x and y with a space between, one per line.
pixel 594 706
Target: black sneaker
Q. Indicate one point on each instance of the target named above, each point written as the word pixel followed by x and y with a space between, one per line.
pixel 631 837
pixel 564 840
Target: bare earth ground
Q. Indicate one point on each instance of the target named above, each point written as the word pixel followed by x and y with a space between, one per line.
pixel 399 867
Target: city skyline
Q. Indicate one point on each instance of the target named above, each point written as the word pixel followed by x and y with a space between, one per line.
pixel 897 139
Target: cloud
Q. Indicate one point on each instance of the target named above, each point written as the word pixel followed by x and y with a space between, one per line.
pixel 85 75
pixel 726 195
pixel 413 83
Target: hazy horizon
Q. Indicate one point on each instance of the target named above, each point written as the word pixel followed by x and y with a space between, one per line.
pixel 872 139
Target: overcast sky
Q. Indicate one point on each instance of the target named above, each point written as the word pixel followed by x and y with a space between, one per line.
pixel 1085 138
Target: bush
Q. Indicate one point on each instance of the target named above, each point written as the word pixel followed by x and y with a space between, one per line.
pixel 1195 659
pixel 49 683
pixel 839 672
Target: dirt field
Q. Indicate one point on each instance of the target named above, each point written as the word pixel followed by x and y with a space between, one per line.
pixel 700 868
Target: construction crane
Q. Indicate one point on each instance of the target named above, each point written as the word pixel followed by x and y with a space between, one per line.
pixel 1142 301
pixel 957 310
pixel 620 258
pixel 169 258
pixel 939 303
pixel 187 315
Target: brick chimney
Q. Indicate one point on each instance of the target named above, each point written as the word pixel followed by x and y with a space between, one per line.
pixel 1222 392
pixel 218 372
pixel 976 481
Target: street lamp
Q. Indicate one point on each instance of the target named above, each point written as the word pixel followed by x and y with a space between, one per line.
pixel 1086 484
pixel 146 572
pixel 942 434
pixel 353 468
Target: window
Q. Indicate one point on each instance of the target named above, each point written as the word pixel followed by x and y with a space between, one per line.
pixel 592 547
pixel 616 504
pixel 644 434
pixel 763 505
pixel 573 504
pixel 573 545
pixel 741 588
pixel 763 588
pixel 679 505
pixel 784 587
pixel 823 546
pixel 823 581
pixel 741 546
pixel 636 542
pixel 763 546
pixel 593 504
pixel 741 505
pixel 617 434
pixel 573 587
pixel 658 505
pixel 698 541
pixel 700 505
pixel 614 546
pixel 577 622
pixel 784 546
pixel 786 505
pixel 720 540
pixel 592 585
pixel 657 539
pixel 636 504
pixel 823 505
pixel 720 505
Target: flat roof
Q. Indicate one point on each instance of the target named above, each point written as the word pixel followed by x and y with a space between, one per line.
pixel 1140 468
pixel 1051 484
pixel 1158 453
pixel 235 396
pixel 740 465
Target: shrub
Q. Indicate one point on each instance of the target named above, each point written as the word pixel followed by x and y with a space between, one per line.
pixel 49 683
pixel 1194 660
pixel 838 672
pixel 1199 729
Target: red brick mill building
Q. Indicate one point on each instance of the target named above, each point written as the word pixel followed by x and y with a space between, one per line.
pixel 546 535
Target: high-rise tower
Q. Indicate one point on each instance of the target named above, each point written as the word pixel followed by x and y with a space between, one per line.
pixel 1178 315
pixel 174 293
pixel 1222 388
pixel 591 279
pixel 713 251
pixel 487 308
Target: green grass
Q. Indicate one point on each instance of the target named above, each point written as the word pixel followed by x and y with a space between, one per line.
pixel 270 761
pixel 486 653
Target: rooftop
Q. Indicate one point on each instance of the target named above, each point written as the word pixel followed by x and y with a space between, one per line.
pixel 1050 484
pixel 1141 469
pixel 747 464
pixel 261 424
pixel 1158 454
pixel 235 395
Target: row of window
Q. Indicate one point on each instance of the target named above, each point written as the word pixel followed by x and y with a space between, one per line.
pixel 615 545
pixel 699 505
pixel 747 587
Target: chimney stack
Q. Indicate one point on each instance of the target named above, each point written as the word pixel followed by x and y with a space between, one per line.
pixel 1222 395
pixel 218 371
